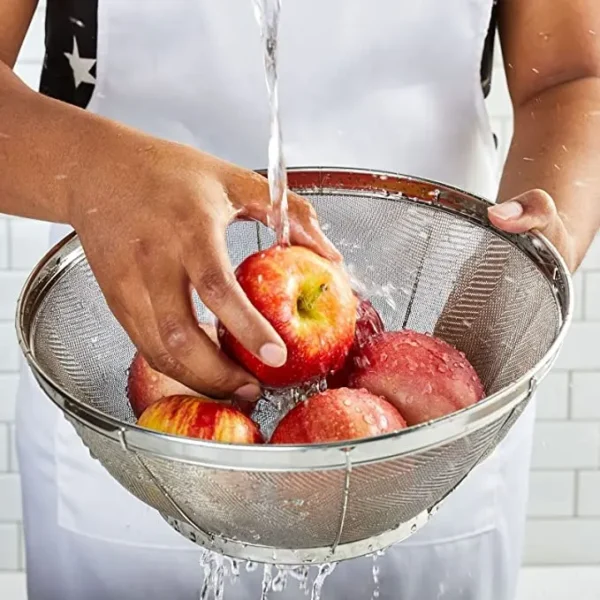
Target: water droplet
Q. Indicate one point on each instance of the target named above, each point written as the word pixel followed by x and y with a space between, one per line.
pixel 324 571
pixel 413 527
pixel 280 580
pixel 77 22
pixel 251 566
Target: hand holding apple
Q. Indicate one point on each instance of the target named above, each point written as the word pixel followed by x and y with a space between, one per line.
pixel 309 302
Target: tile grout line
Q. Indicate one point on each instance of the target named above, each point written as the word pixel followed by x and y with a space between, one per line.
pixel 576 514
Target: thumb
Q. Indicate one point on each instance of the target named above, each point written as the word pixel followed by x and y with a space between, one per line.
pixel 534 209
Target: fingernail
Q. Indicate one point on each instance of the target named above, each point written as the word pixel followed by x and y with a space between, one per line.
pixel 247 393
pixel 273 355
pixel 508 210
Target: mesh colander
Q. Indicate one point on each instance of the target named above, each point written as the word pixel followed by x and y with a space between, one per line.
pixel 432 263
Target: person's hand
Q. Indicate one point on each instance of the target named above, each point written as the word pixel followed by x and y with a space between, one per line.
pixel 536 210
pixel 152 225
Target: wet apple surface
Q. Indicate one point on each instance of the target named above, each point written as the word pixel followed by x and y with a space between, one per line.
pixel 368 324
pixel 338 415
pixel 424 377
pixel 200 418
pixel 145 386
pixel 309 302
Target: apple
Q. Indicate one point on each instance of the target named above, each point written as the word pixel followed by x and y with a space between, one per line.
pixel 146 385
pixel 423 377
pixel 338 415
pixel 198 417
pixel 368 324
pixel 309 302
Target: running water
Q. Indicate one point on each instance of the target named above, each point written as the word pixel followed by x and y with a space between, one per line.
pixel 267 15
pixel 376 590
pixel 218 569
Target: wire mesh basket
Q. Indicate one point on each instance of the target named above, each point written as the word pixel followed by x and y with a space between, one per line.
pixel 432 263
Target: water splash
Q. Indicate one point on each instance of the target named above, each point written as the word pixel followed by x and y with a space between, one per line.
pixel 375 570
pixel 325 570
pixel 213 585
pixel 266 581
pixel 219 570
pixel 276 403
pixel 251 566
pixel 279 582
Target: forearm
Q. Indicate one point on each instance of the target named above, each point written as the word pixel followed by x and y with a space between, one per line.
pixel 49 152
pixel 556 148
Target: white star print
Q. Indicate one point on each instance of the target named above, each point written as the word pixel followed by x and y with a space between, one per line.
pixel 81 66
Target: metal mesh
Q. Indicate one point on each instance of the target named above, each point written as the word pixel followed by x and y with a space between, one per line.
pixel 425 268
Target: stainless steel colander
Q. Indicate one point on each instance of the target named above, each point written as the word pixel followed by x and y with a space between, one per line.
pixel 432 262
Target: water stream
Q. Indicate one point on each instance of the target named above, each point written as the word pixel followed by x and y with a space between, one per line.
pixel 220 571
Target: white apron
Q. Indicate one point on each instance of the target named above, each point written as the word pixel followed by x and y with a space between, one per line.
pixel 383 84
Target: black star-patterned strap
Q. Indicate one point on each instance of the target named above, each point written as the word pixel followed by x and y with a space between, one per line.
pixel 69 71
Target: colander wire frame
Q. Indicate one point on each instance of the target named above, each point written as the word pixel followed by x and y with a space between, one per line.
pixel 505 300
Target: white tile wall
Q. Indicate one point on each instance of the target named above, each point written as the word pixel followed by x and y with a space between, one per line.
pixel 592 293
pixel 561 541
pixel 585 400
pixel 588 504
pixel 552 494
pixel 552 400
pixel 564 509
pixel 566 445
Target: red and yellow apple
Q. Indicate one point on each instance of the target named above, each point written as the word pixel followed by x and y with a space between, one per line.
pixel 368 324
pixel 338 415
pixel 423 377
pixel 146 385
pixel 309 302
pixel 198 417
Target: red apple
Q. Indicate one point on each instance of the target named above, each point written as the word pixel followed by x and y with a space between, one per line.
pixel 309 302
pixel 368 324
pixel 423 377
pixel 197 417
pixel 146 386
pixel 338 415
